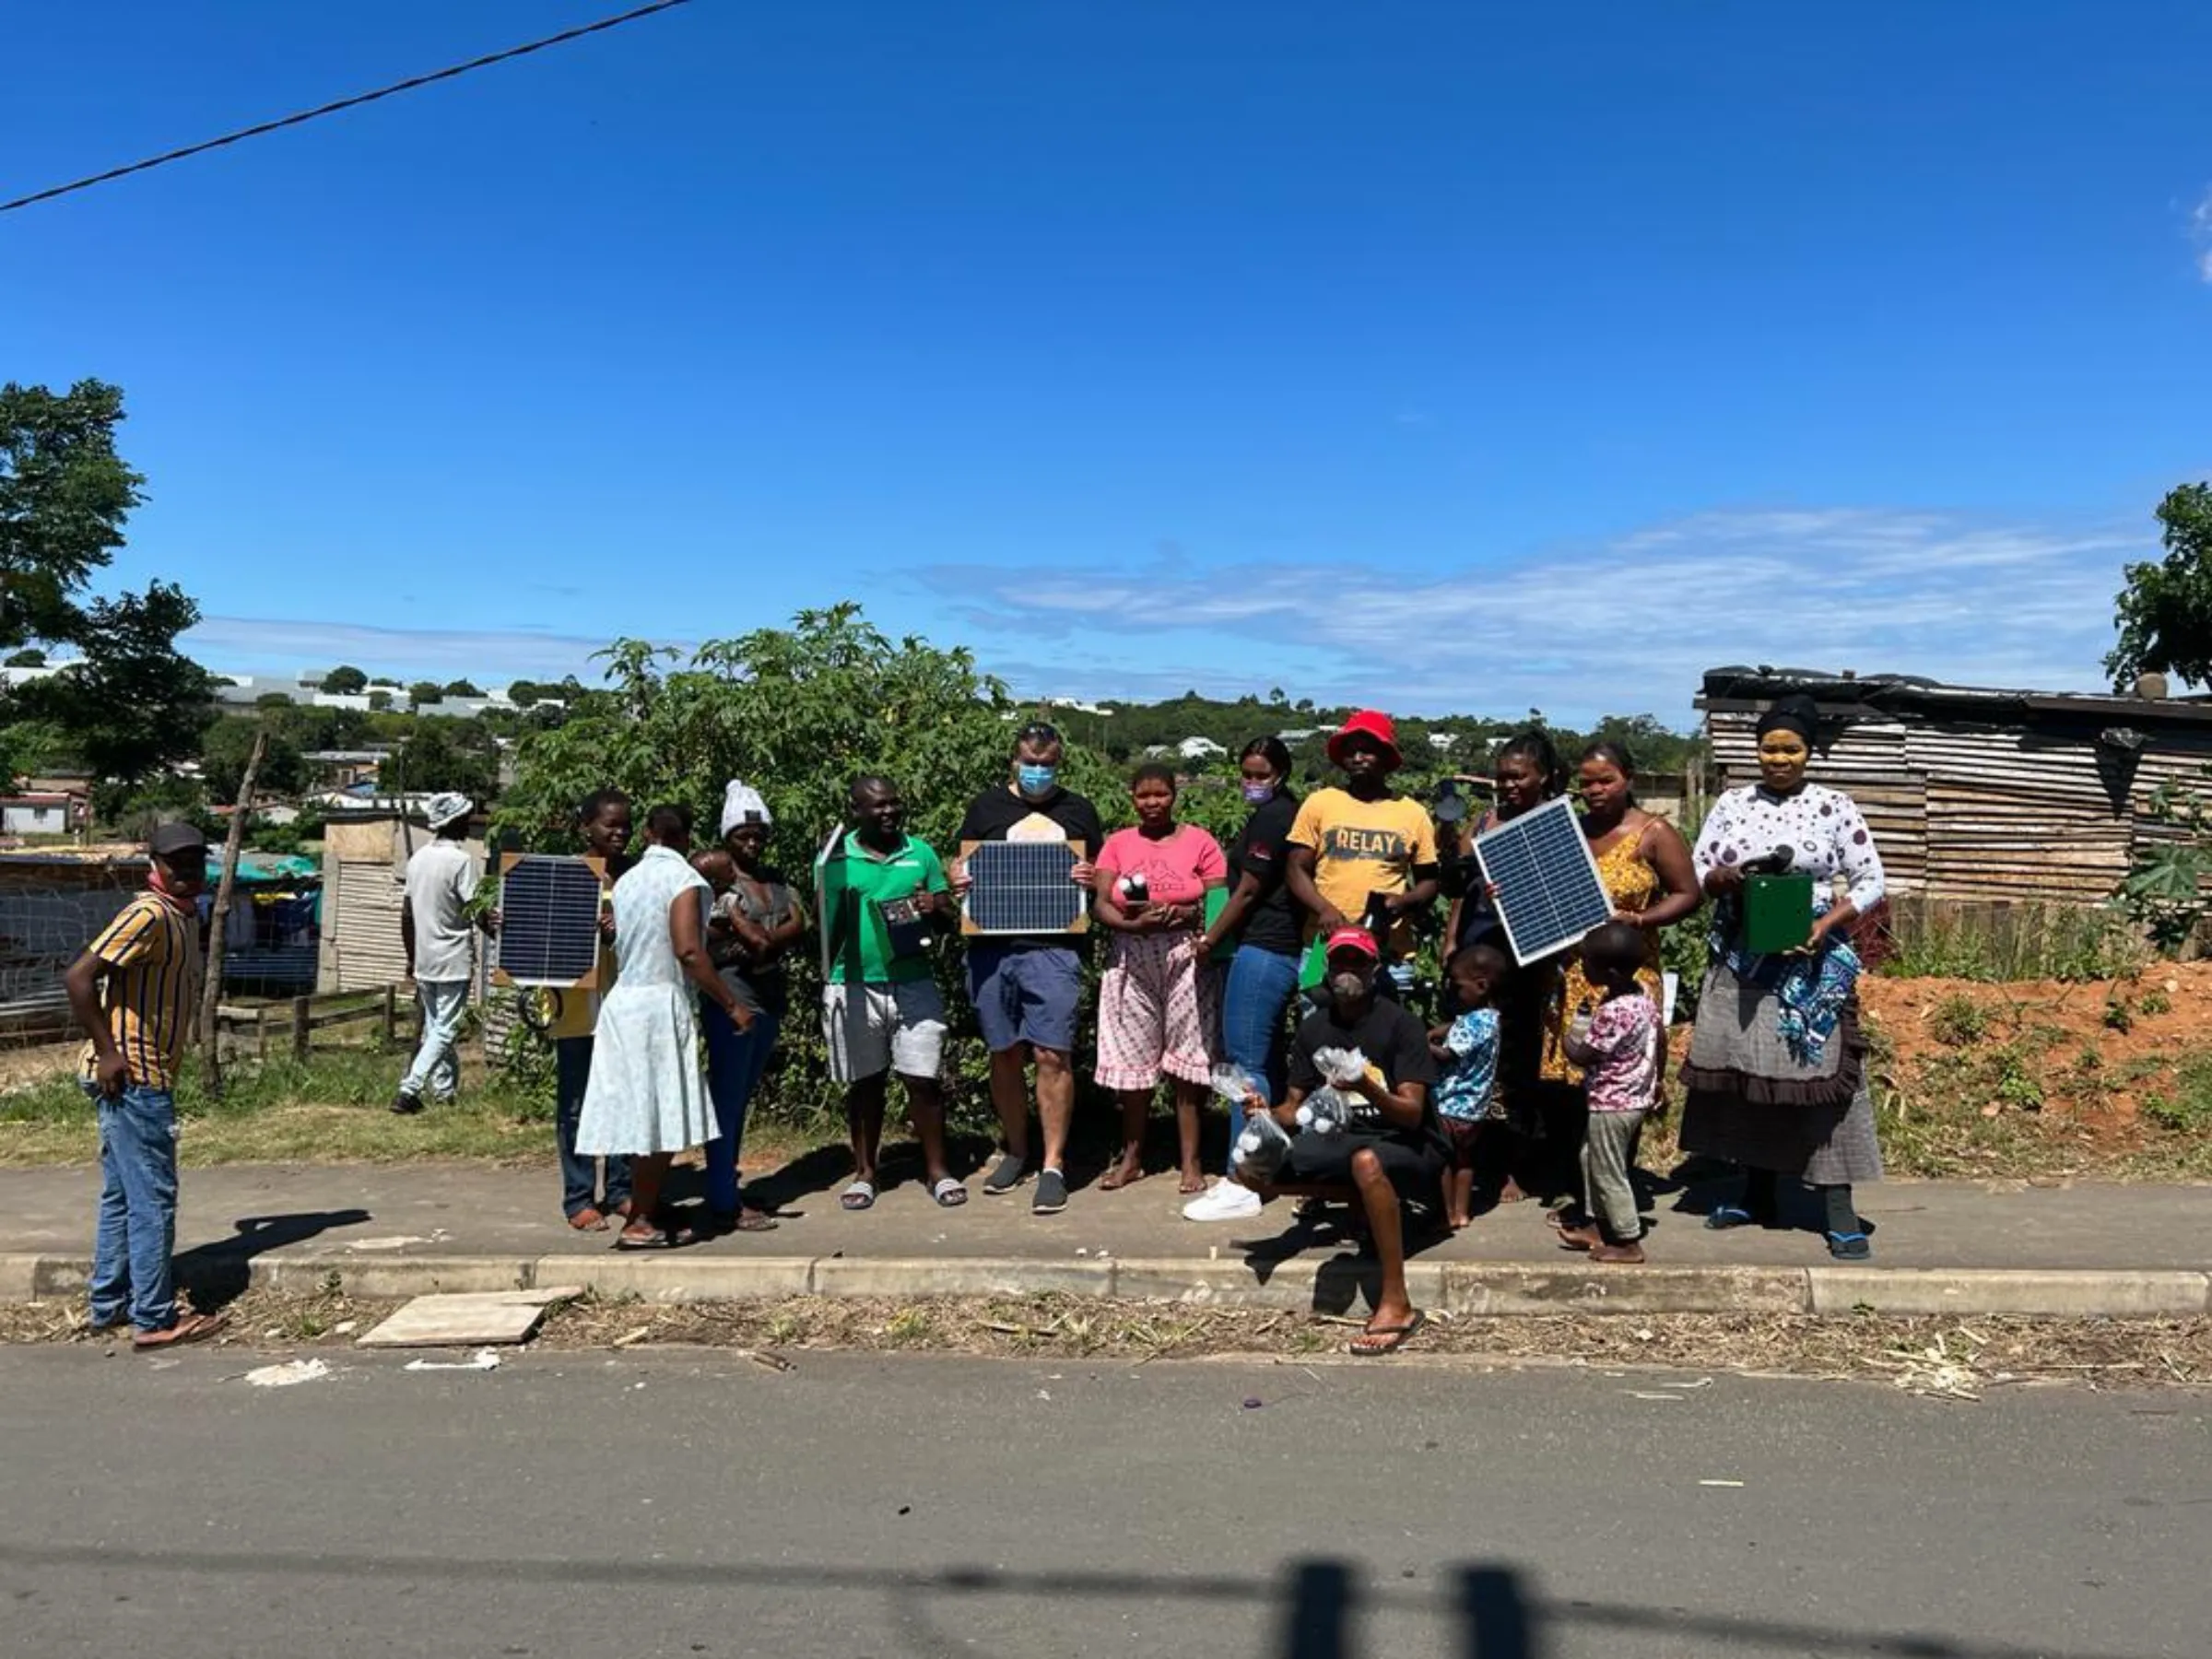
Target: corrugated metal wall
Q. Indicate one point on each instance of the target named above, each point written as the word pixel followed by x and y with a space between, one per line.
pixel 361 948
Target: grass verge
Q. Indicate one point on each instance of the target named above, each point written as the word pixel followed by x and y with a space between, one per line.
pixel 1942 1358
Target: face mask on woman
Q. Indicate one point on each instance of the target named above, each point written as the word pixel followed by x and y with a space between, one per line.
pixel 1258 794
pixel 1035 780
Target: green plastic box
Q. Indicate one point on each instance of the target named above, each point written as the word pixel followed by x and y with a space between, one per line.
pixel 1778 912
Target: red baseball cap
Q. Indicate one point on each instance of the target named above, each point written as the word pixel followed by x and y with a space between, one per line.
pixel 1368 722
pixel 1354 938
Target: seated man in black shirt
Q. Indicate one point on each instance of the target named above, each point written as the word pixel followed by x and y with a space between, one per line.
pixel 1396 1150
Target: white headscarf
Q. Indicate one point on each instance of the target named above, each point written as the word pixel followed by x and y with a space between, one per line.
pixel 741 804
pixel 443 808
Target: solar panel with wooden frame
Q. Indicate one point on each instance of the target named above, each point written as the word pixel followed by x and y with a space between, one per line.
pixel 550 909
pixel 1026 887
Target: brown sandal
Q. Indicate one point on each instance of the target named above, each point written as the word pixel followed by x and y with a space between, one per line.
pixel 192 1328
pixel 588 1220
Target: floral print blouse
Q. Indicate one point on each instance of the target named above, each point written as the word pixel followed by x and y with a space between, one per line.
pixel 1823 828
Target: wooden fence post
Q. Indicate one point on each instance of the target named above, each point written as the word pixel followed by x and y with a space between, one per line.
pixel 261 1033
pixel 389 1024
pixel 301 1015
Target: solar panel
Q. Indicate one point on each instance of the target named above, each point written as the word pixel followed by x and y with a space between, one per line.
pixel 1549 894
pixel 549 921
pixel 1023 888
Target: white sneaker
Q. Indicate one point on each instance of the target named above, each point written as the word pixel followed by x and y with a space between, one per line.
pixel 1224 1201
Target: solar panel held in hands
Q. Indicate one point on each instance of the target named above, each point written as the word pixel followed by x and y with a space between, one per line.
pixel 1549 893
pixel 550 909
pixel 1018 886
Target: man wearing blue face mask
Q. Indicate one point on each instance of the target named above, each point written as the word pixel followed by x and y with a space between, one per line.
pixel 1026 988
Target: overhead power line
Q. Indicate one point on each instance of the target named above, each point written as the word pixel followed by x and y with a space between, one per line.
pixel 304 116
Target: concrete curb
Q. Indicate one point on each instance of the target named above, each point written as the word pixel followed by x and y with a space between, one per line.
pixel 1328 1284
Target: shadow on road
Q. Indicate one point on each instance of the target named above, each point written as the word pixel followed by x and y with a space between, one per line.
pixel 1490 1607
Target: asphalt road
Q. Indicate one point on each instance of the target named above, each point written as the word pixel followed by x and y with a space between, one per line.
pixel 684 1503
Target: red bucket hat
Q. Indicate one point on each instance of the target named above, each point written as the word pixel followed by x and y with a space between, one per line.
pixel 1368 722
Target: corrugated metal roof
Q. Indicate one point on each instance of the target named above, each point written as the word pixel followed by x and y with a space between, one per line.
pixel 1900 695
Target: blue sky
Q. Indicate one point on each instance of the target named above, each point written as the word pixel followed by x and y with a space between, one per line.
pixel 1446 356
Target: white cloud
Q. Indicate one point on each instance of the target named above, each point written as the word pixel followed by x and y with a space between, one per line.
pixel 1623 626
pixel 2200 233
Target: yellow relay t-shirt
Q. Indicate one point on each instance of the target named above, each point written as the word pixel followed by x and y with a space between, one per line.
pixel 1361 848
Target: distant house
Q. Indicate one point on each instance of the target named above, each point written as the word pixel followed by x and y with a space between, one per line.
pixel 343 769
pixel 39 814
pixel 1199 748
pixel 1974 793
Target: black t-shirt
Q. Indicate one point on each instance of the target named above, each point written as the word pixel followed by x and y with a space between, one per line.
pixel 1393 1040
pixel 1262 851
pixel 996 811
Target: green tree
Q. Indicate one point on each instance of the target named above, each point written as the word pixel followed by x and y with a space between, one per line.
pixel 461 688
pixel 379 701
pixel 425 691
pixel 30 656
pixel 134 705
pixel 522 693
pixel 344 680
pixel 2164 613
pixel 64 494
pixel 795 712
pixel 223 758
pixel 445 754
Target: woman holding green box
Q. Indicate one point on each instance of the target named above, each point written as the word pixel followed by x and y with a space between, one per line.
pixel 1776 1072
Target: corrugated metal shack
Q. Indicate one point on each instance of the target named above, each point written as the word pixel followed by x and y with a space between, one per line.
pixel 1974 793
pixel 366 846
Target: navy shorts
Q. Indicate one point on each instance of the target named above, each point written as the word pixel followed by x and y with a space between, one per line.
pixel 1025 996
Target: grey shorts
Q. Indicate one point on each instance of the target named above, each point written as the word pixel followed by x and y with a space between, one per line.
pixel 874 1027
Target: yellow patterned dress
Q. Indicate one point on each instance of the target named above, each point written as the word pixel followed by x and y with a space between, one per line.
pixel 1631 882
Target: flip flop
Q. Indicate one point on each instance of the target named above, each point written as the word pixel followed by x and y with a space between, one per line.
pixel 674 1238
pixel 1850 1247
pixel 1727 1215
pixel 588 1220
pixel 1392 1337
pixel 745 1221
pixel 949 1193
pixel 860 1195
pixel 192 1328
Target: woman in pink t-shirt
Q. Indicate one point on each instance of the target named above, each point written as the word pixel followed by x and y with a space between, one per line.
pixel 1156 1011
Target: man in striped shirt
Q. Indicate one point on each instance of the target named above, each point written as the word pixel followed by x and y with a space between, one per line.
pixel 135 991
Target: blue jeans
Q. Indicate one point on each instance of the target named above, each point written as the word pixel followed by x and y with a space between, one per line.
pixel 138 1230
pixel 1261 983
pixel 579 1181
pixel 436 1070
pixel 734 1061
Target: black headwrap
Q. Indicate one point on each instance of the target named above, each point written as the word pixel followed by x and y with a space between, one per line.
pixel 1795 713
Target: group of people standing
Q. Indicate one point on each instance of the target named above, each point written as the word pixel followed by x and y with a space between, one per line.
pixel 1536 1079
pixel 1538 1075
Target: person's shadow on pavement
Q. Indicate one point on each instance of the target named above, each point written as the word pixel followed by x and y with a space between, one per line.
pixel 218 1273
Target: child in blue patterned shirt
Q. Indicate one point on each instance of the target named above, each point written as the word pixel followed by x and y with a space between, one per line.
pixel 1466 1052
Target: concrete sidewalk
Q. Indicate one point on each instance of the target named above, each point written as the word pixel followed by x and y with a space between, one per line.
pixel 401 1230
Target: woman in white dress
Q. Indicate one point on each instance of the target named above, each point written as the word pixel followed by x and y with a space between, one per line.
pixel 648 1098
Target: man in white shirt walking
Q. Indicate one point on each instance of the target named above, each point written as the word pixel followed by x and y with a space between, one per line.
pixel 434 926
